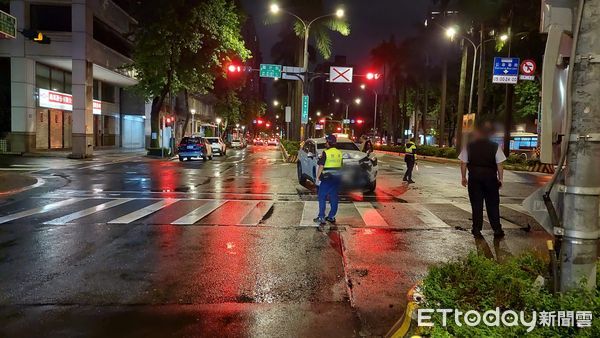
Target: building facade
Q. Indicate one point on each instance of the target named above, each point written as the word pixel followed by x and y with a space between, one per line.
pixel 72 93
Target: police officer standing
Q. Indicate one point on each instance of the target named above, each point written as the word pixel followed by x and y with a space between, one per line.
pixel 483 159
pixel 410 158
pixel 329 180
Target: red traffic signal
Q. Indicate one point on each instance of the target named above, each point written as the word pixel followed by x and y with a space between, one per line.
pixel 268 125
pixel 373 76
pixel 168 121
pixel 238 69
pixel 322 121
pixel 360 121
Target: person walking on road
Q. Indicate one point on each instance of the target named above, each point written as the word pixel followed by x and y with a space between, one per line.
pixel 410 157
pixel 483 158
pixel 329 180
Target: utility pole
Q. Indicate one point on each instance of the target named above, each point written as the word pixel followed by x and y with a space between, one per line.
pixel 461 95
pixel 481 79
pixel 510 90
pixel 441 137
pixel 582 196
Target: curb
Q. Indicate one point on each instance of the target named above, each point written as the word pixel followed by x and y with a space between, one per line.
pixel 406 325
pixel 421 157
pixel 287 158
pixel 38 182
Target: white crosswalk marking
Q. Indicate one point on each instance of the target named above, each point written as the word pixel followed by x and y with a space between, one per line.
pixel 429 167
pixel 199 213
pixel 370 215
pixel 505 224
pixel 309 212
pixel 427 216
pixel 134 216
pixel 86 212
pixel 39 210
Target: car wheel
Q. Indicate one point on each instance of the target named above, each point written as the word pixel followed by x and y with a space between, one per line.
pixel 189 158
pixel 301 178
pixel 372 186
pixel 203 158
pixel 210 157
pixel 180 159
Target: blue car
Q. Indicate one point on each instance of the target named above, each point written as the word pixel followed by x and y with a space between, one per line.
pixel 194 147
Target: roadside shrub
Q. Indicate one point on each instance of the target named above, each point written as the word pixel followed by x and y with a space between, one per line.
pixel 516 159
pixel 481 284
pixel 447 152
pixel 395 149
pixel 291 147
pixel 428 150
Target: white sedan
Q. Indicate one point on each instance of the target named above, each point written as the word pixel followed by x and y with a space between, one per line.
pixel 359 170
pixel 217 145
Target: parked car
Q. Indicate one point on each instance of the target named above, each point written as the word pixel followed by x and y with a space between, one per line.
pixel 238 144
pixel 191 147
pixel 359 170
pixel 217 145
pixel 272 142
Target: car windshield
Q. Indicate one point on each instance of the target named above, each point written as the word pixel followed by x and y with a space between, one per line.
pixel 213 140
pixel 191 140
pixel 340 146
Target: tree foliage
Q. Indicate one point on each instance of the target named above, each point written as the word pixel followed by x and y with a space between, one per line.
pixel 527 101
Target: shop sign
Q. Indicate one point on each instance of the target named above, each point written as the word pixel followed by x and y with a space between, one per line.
pixel 63 101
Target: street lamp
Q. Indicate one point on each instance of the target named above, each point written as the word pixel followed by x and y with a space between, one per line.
pixel 357 100
pixel 451 32
pixel 503 37
pixel 193 111
pixel 339 13
pixel 276 103
pixel 363 87
pixel 318 113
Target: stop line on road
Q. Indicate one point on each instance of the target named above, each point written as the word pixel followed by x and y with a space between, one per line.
pixel 188 212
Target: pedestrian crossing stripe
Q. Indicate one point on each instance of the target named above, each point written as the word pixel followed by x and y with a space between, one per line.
pixel 238 212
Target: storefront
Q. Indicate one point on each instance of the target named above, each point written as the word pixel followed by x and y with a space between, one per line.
pixel 54 120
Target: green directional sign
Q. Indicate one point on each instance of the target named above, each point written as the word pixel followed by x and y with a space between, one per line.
pixel 8 25
pixel 273 71
pixel 304 109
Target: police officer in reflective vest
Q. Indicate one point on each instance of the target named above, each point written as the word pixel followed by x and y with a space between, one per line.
pixel 483 159
pixel 329 180
pixel 410 150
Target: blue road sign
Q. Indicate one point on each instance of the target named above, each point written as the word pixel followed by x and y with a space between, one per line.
pixel 506 70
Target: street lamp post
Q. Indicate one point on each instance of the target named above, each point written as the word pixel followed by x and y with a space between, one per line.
pixel 306 25
pixel 363 87
pixel 218 120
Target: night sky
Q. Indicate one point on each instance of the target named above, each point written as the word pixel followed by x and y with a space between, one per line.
pixel 371 22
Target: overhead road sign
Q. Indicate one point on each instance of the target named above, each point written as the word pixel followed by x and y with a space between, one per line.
pixel 304 109
pixel 506 70
pixel 8 26
pixel 527 68
pixel 272 71
pixel 340 74
pixel 292 73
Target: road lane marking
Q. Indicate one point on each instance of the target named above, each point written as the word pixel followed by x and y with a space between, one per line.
pixel 257 213
pixel 505 224
pixel 429 166
pixel 310 208
pixel 370 215
pixel 39 210
pixel 143 212
pixel 199 213
pixel 426 216
pixel 89 211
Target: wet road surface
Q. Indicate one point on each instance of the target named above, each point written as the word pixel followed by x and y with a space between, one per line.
pixel 126 245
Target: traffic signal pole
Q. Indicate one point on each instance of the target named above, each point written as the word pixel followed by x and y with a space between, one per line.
pixel 581 221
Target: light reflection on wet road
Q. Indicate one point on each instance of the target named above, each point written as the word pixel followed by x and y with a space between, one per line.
pixel 223 248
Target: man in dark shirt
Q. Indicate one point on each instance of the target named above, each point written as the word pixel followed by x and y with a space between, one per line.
pixel 483 160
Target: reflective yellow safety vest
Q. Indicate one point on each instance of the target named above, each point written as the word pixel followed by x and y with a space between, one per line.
pixel 410 148
pixel 333 159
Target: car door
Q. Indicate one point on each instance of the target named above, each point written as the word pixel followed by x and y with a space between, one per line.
pixel 303 157
pixel 313 161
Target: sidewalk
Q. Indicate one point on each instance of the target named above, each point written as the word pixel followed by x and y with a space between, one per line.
pixel 11 183
pixel 97 152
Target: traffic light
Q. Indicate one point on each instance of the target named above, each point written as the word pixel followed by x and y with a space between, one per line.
pixel 168 121
pixel 232 68
pixel 359 121
pixel 36 36
pixel 373 76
